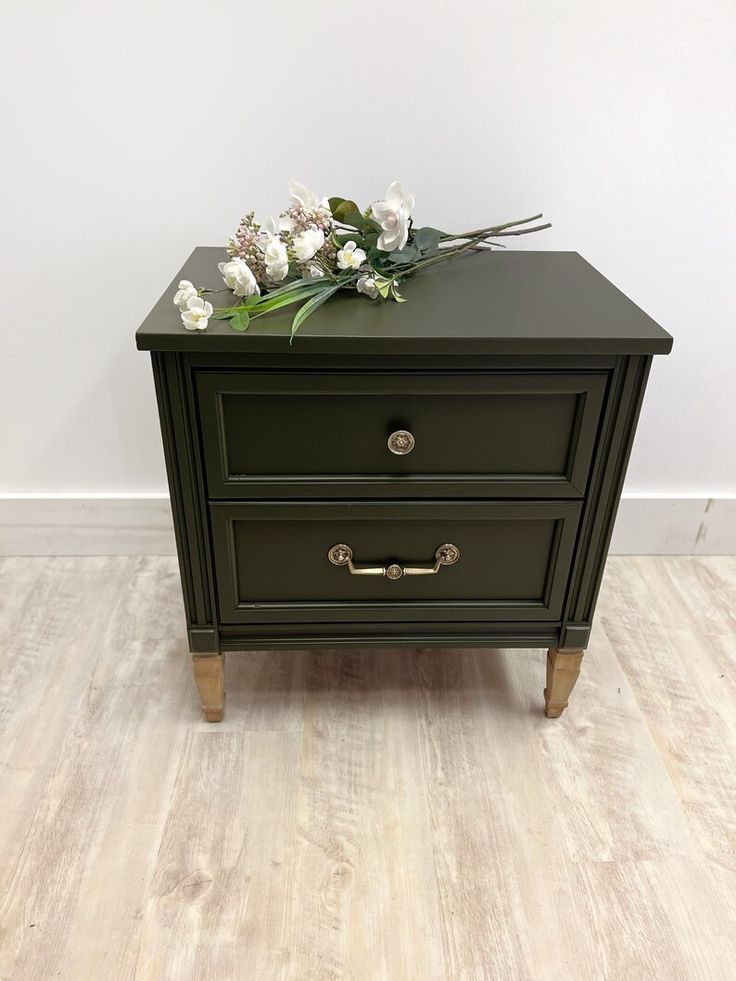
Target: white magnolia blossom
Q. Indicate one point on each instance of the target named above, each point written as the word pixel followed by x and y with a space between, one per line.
pixel 367 284
pixel 276 259
pixel 238 277
pixel 313 271
pixel 197 313
pixel 186 292
pixel 393 216
pixel 302 197
pixel 308 243
pixel 350 256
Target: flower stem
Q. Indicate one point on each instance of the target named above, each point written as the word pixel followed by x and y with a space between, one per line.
pixel 522 231
pixel 491 229
pixel 441 257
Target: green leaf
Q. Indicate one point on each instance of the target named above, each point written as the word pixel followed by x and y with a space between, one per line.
pixel 344 237
pixel 287 285
pixel 240 321
pixel 225 313
pixel 273 291
pixel 335 203
pixel 354 219
pixel 301 291
pixel 383 285
pixel 256 306
pixel 427 238
pixel 408 254
pixel 348 213
pixel 308 309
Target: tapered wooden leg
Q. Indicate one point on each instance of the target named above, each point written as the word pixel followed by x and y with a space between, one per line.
pixel 563 668
pixel 208 675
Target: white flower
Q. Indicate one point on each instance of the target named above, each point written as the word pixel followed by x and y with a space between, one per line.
pixel 367 285
pixel 197 313
pixel 277 261
pixel 313 271
pixel 238 277
pixel 302 197
pixel 393 216
pixel 308 243
pixel 350 256
pixel 186 292
pixel 273 249
pixel 271 228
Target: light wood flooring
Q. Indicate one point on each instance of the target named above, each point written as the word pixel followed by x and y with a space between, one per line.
pixel 379 814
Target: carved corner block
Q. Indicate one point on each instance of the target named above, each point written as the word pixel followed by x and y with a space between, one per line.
pixel 574 636
pixel 203 640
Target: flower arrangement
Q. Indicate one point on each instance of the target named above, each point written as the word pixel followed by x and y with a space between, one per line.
pixel 321 245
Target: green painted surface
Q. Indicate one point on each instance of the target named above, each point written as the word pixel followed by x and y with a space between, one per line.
pixel 272 559
pixel 526 434
pixel 523 396
pixel 501 302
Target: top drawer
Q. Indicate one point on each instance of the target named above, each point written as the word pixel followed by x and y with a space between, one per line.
pixel 310 434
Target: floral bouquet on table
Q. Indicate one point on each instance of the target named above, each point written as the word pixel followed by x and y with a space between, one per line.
pixel 319 246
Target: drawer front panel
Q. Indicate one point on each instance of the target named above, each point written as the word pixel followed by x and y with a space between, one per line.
pixel 505 434
pixel 271 560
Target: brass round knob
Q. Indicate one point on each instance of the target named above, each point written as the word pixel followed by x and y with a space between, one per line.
pixel 394 571
pixel 401 442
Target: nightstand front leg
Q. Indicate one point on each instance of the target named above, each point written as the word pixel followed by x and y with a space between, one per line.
pixel 563 668
pixel 208 675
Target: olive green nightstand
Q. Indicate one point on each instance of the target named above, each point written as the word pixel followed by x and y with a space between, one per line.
pixel 443 472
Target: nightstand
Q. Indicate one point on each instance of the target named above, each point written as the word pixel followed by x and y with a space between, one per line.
pixel 442 472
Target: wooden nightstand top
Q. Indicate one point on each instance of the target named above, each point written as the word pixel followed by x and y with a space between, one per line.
pixel 504 303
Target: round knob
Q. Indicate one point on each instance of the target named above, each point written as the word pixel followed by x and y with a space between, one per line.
pixel 394 572
pixel 401 442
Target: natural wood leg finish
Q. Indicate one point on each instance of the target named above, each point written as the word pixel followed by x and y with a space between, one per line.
pixel 563 668
pixel 208 675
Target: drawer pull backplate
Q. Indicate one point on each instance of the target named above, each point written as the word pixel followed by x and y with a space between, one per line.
pixel 343 555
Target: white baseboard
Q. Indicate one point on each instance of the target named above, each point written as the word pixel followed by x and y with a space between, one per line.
pixel 100 525
pixel 675 526
pixel 141 525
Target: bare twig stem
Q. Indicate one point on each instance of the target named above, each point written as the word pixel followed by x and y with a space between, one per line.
pixel 492 229
pixel 522 231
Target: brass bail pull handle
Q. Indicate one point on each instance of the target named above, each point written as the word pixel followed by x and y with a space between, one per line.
pixel 343 555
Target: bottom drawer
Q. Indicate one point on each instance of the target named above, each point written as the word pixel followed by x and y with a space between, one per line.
pixel 272 561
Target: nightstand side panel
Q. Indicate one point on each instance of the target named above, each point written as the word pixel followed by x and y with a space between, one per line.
pixel 179 431
pixel 616 437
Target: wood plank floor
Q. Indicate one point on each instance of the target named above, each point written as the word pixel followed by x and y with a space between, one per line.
pixel 379 814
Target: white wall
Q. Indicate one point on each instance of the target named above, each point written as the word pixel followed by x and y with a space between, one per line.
pixel 133 134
